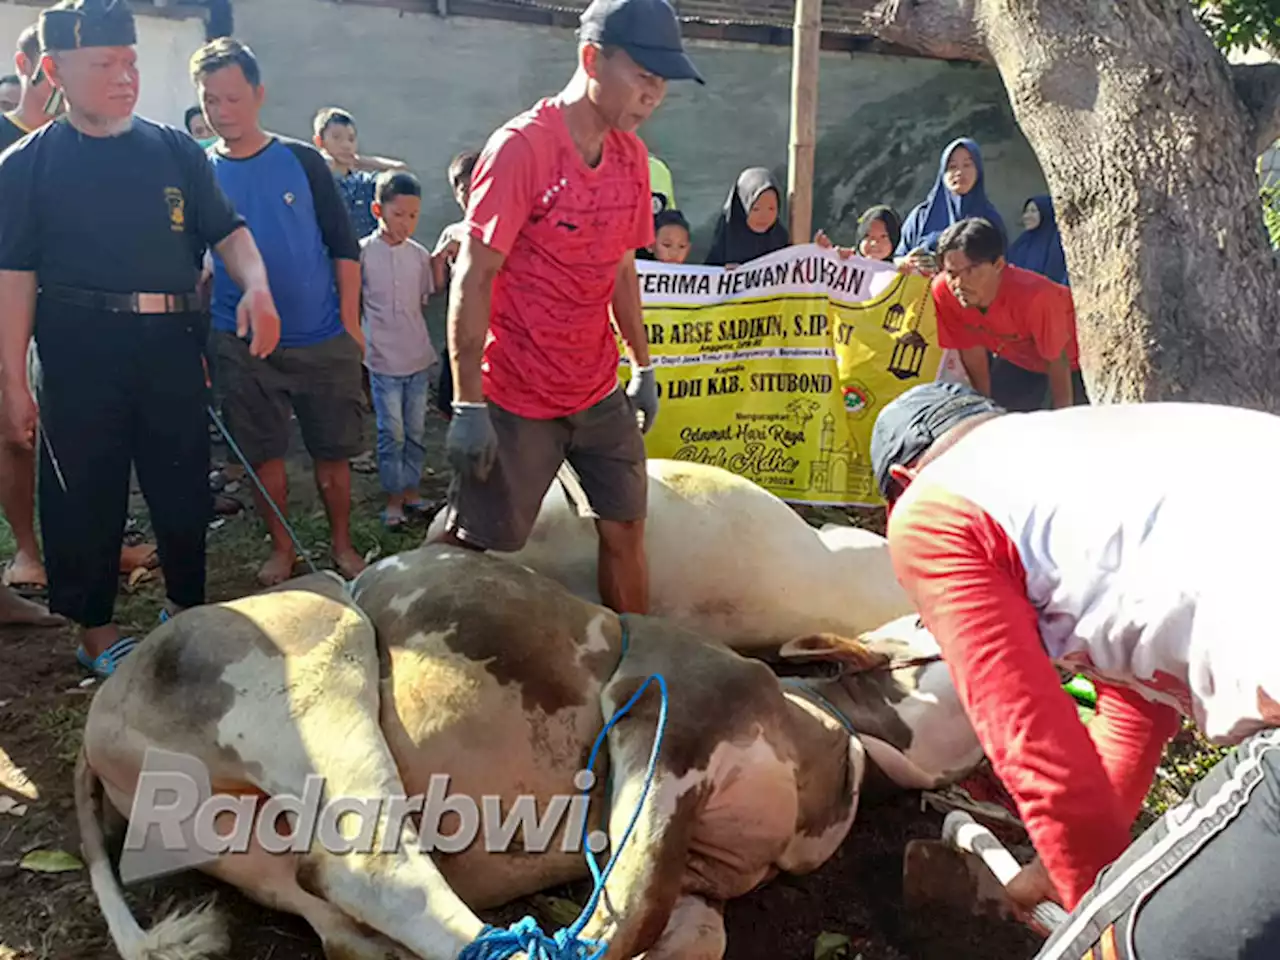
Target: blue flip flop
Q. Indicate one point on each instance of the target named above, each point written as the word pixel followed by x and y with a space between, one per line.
pixel 105 664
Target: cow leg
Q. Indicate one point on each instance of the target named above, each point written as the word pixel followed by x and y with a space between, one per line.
pixel 645 884
pixel 271 879
pixel 304 704
pixel 394 887
pixel 694 932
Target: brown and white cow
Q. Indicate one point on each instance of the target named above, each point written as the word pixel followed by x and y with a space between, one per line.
pixel 727 559
pixel 442 660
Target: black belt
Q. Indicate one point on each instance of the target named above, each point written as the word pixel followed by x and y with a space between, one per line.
pixel 148 303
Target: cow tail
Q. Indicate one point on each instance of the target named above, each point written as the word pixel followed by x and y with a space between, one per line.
pixel 179 936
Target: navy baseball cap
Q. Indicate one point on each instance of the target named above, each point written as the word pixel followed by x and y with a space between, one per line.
pixel 909 425
pixel 648 30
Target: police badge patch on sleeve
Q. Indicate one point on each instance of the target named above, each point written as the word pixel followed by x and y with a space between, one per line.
pixel 177 209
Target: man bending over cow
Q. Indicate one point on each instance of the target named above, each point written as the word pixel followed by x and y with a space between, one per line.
pixel 560 202
pixel 1080 538
pixel 1015 330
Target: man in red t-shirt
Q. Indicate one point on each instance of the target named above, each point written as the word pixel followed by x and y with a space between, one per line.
pixel 1015 330
pixel 560 201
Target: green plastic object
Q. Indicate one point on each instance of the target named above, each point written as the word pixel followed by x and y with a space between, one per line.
pixel 1083 690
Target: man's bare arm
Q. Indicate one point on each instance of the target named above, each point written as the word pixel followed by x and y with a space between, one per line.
pixel 470 296
pixel 628 312
pixel 1060 382
pixel 257 309
pixel 349 290
pixel 978 367
pixel 378 164
pixel 17 316
pixel 239 251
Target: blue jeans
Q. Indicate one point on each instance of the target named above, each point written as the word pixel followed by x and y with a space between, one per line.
pixel 400 404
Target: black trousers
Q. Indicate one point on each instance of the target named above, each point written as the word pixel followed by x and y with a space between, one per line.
pixel 118 391
pixel 1023 391
pixel 1203 883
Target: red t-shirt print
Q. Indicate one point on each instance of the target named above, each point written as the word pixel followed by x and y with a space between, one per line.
pixel 1030 323
pixel 564 228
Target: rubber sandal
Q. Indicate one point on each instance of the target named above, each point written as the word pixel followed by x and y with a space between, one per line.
pixel 391 523
pixel 27 589
pixel 105 664
pixel 418 506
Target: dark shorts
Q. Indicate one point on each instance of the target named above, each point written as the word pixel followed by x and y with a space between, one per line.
pixel 319 382
pixel 602 444
pixel 1022 391
pixel 1203 883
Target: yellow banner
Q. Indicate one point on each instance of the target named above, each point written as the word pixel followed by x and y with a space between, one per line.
pixel 776 370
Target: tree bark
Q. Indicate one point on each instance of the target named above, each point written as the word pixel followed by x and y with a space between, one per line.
pixel 1150 154
pixel 1258 86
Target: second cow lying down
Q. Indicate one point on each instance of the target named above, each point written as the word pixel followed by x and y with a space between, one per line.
pixel 444 660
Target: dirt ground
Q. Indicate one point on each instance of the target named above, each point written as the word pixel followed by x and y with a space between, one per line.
pixel 54 916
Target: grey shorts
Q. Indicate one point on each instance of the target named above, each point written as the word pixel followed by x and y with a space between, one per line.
pixel 1201 882
pixel 320 382
pixel 602 444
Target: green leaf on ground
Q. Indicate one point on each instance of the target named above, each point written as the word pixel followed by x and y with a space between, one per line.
pixel 831 946
pixel 50 861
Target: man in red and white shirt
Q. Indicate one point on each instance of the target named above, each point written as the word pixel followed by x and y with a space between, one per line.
pixel 1015 330
pixel 560 201
pixel 1098 539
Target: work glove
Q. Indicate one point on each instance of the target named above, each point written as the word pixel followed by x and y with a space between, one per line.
pixel 642 391
pixel 471 445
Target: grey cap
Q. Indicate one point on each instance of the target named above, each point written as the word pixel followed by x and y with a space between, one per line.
pixel 910 424
pixel 648 30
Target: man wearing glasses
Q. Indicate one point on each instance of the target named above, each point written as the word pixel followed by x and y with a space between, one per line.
pixel 1015 329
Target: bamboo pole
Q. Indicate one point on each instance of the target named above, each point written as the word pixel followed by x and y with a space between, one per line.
pixel 805 46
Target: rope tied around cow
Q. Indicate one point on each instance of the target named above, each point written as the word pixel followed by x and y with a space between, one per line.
pixel 526 936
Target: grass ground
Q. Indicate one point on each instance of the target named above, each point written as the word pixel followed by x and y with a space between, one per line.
pixel 851 907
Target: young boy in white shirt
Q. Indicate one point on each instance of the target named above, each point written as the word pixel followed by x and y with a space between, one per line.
pixel 398 277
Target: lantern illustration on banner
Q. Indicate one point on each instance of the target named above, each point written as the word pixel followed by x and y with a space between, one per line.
pixel 908 355
pixel 894 318
pixel 910 347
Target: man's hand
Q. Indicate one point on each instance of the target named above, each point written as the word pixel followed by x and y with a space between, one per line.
pixel 471 444
pixel 257 312
pixel 19 418
pixel 643 393
pixel 1030 888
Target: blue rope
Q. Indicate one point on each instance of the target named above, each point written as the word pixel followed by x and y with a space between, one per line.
pixel 495 943
pixel 235 448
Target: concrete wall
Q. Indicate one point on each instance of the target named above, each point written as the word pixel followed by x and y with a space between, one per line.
pixel 164 46
pixel 424 87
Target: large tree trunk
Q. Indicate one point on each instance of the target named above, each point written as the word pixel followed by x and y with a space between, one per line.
pixel 1150 154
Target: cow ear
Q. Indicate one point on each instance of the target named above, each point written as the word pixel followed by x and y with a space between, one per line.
pixel 856 656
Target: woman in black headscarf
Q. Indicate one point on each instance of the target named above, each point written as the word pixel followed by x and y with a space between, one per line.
pixel 751 224
pixel 879 232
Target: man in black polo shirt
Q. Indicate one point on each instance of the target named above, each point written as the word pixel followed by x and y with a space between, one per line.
pixel 108 216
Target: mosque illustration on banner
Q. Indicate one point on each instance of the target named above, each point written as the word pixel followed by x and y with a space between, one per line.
pixel 839 470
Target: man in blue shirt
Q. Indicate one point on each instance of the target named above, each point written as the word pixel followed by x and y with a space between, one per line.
pixel 284 190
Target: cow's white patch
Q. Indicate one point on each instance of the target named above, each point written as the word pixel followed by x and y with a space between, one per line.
pixel 429 639
pixel 259 715
pixel 400 604
pixel 806 853
pixel 392 562
pixel 749 817
pixel 593 639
